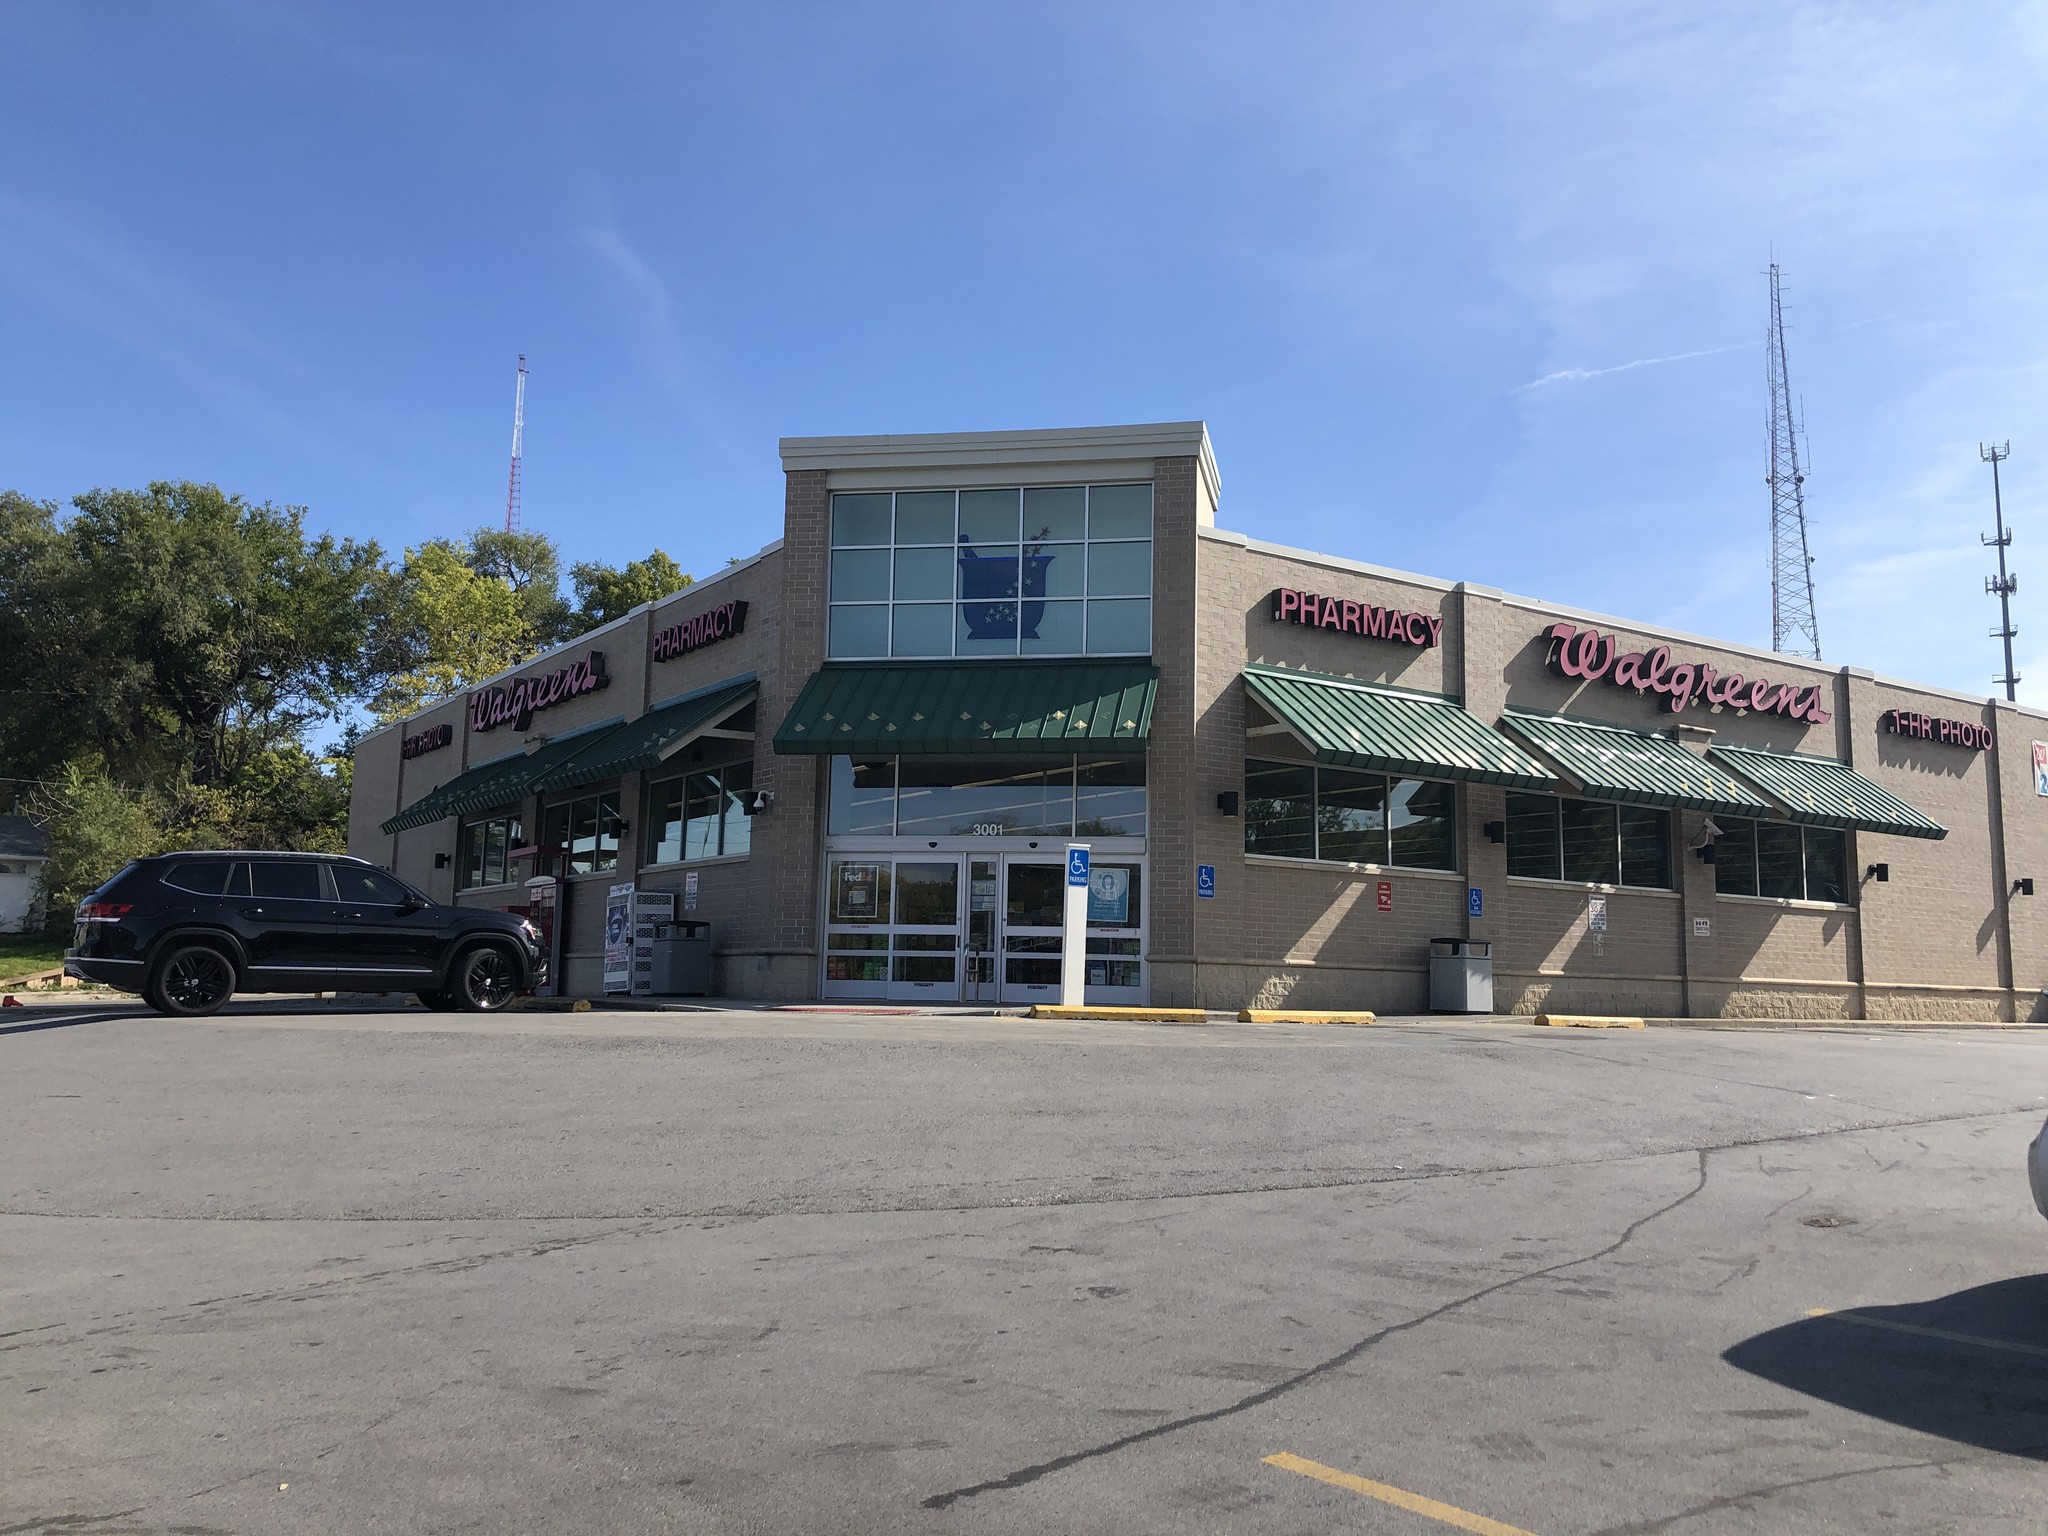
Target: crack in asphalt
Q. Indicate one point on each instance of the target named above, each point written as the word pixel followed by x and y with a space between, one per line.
pixel 640 1223
pixel 1024 1476
pixel 1660 1523
pixel 940 1205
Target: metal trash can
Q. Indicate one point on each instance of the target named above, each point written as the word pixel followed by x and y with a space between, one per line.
pixel 1461 975
pixel 682 959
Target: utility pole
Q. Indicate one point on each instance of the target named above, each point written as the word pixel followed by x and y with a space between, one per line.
pixel 518 431
pixel 2003 585
pixel 1794 630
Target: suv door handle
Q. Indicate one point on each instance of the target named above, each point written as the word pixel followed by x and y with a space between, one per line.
pixel 252 911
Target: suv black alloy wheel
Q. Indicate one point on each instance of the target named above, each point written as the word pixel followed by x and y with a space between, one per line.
pixel 485 979
pixel 192 981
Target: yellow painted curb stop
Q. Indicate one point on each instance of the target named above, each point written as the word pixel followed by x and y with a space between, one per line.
pixel 550 1004
pixel 1584 1021
pixel 1303 1016
pixel 1125 1015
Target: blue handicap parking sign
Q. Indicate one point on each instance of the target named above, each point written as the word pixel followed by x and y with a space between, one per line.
pixel 1475 901
pixel 1077 866
pixel 1205 881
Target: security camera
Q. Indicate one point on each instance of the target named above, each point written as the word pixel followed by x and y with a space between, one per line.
pixel 1709 830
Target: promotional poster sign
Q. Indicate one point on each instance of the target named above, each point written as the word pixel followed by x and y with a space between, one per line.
pixel 857 898
pixel 2041 767
pixel 618 939
pixel 1109 896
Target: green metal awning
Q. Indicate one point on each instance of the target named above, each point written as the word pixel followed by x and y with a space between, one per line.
pixel 973 707
pixel 653 738
pixel 500 781
pixel 1354 725
pixel 1638 767
pixel 1825 793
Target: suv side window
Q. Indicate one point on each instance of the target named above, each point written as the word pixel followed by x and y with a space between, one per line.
pixel 372 886
pixel 202 877
pixel 287 880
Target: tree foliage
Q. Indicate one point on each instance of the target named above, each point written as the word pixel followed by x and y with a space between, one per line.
pixel 167 654
pixel 605 592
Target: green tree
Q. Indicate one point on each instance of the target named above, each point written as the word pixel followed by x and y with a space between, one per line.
pixel 531 567
pixel 447 627
pixel 173 631
pixel 607 592
pixel 95 827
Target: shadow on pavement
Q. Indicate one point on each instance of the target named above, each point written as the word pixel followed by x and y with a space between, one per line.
pixel 1970 1367
pixel 27 1021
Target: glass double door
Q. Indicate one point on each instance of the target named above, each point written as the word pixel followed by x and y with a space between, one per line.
pixel 977 928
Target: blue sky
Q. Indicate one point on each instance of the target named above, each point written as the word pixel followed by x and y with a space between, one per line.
pixel 1473 290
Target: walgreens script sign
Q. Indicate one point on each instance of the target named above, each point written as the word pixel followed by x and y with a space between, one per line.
pixel 490 708
pixel 1588 654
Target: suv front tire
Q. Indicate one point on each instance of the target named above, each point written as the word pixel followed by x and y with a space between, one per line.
pixel 483 978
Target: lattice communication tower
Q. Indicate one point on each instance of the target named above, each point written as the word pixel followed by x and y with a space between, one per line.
pixel 518 432
pixel 1794 630
pixel 2004 584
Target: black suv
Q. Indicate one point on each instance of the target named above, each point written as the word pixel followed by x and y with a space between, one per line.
pixel 187 929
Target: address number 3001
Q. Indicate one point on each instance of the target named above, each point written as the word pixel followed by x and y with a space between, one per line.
pixel 988 829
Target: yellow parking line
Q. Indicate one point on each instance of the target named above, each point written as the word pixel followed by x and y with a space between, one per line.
pixel 1931 1333
pixel 1400 1498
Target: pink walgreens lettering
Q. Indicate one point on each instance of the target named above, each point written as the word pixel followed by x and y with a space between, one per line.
pixel 1588 655
pixel 516 703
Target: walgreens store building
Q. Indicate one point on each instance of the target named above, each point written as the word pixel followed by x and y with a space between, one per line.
pixel 860 756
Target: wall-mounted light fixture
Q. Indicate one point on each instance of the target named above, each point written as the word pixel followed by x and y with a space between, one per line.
pixel 1226 801
pixel 441 860
pixel 2024 886
pixel 1496 831
pixel 1879 872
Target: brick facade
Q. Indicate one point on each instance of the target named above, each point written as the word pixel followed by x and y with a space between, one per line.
pixel 1944 938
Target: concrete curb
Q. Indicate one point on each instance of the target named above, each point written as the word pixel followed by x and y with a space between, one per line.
pixel 1583 1021
pixel 1303 1016
pixel 1122 1015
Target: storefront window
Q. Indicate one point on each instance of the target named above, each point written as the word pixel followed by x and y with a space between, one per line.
pixel 483 852
pixel 1280 810
pixel 588 829
pixel 1772 858
pixel 986 797
pixel 700 816
pixel 1588 842
pixel 1292 811
pixel 1043 571
pixel 933 797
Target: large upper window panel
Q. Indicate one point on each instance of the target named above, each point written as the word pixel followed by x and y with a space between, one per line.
pixel 1588 842
pixel 1043 571
pixel 1294 811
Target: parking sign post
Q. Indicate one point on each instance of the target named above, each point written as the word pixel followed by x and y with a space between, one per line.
pixel 1074 929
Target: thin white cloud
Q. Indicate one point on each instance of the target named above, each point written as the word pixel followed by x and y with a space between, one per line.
pixel 1574 375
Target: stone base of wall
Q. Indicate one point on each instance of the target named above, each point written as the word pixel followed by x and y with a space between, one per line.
pixel 1644 997
pixel 1945 1005
pixel 1757 1000
pixel 1223 987
pixel 772 975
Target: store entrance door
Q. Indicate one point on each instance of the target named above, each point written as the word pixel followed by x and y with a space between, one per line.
pixel 1034 891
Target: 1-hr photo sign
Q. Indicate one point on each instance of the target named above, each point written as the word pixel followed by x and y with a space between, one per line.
pixel 1955 733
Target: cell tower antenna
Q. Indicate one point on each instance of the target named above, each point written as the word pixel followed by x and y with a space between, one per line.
pixel 2003 585
pixel 1794 630
pixel 518 433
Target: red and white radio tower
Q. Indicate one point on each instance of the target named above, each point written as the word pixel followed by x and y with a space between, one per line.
pixel 518 431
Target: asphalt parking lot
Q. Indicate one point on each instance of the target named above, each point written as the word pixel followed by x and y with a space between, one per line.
pixel 349 1271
